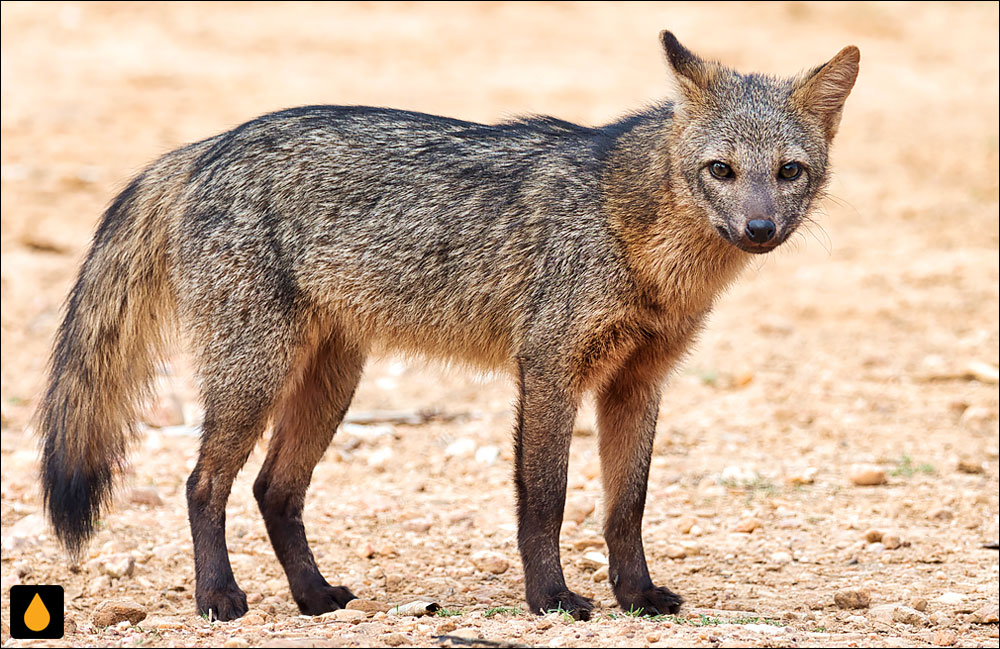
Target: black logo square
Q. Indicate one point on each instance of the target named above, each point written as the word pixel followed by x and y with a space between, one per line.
pixel 37 612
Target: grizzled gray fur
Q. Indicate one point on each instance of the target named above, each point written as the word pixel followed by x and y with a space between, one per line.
pixel 292 247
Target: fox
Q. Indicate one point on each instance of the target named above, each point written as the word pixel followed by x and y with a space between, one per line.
pixel 576 260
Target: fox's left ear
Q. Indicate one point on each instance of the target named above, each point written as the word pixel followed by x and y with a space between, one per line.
pixel 822 91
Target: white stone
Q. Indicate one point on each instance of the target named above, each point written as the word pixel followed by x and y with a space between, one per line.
pixel 951 598
pixel 462 447
pixel 487 455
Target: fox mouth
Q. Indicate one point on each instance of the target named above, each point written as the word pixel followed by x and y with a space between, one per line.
pixel 746 245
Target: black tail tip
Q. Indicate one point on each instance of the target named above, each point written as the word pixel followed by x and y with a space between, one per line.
pixel 74 498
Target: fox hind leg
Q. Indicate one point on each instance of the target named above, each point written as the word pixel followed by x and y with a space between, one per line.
pixel 234 420
pixel 244 363
pixel 305 421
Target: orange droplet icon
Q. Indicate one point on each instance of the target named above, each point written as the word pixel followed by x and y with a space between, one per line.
pixel 37 616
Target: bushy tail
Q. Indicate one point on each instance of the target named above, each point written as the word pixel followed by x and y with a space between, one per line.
pixel 105 354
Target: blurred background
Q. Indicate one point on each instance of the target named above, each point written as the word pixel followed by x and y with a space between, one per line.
pixel 867 344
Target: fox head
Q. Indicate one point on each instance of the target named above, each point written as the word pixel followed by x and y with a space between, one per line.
pixel 751 150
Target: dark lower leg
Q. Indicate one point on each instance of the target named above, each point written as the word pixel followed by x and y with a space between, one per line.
pixel 216 592
pixel 627 423
pixel 544 431
pixel 304 425
pixel 281 507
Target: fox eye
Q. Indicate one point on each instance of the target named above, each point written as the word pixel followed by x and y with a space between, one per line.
pixel 720 170
pixel 790 171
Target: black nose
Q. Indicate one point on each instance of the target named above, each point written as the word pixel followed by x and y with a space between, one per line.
pixel 761 230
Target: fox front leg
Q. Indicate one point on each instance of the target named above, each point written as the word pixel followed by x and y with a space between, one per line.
pixel 626 414
pixel 545 416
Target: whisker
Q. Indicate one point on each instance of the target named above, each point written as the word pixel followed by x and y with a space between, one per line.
pixel 841 202
pixel 826 243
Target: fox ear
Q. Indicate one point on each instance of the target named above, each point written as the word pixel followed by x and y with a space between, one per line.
pixel 693 75
pixel 822 91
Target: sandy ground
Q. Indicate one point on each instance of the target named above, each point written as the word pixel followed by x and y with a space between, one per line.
pixel 869 341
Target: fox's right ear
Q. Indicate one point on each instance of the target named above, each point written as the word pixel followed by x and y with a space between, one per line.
pixel 692 74
pixel 823 90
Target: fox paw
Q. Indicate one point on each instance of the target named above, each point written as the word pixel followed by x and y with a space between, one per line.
pixel 223 604
pixel 652 601
pixel 564 602
pixel 324 600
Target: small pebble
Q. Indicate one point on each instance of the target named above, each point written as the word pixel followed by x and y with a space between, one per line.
pixel 747 525
pixel 978 418
pixel 944 638
pixel 889 613
pixel 594 560
pixel 463 447
pixel 487 455
pixel 983 372
pixel 868 477
pixel 873 536
pixel 117 566
pixel 98 585
pixel 691 547
pixel 988 614
pixel 892 541
pixel 396 639
pixel 943 514
pixel 114 611
pixel 346 615
pixel 675 552
pixel 25 533
pixel 490 562
pixel 950 599
pixel 970 466
pixel 919 604
pixel 803 477
pixel 367 605
pixel 586 544
pixel 781 558
pixel 685 523
pixel 147 496
pixel 418 525
pixel 578 509
pixel 380 458
pixel 601 574
pixel 849 599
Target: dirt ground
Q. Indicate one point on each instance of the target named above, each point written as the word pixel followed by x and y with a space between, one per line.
pixel 869 343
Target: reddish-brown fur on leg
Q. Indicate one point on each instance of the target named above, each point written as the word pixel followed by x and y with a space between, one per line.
pixel 626 418
pixel 305 422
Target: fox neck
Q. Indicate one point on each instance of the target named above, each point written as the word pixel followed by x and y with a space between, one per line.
pixel 676 256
